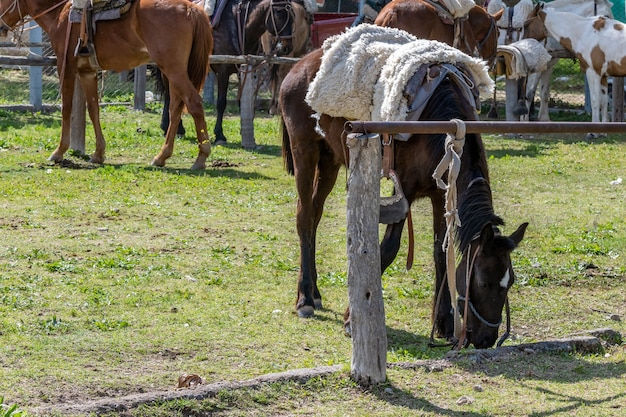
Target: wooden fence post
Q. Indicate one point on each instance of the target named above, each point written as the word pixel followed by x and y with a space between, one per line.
pixel 78 119
pixel 139 88
pixel 248 97
pixel 367 312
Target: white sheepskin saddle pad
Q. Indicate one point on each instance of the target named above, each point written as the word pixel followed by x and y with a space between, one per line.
pixel 524 57
pixel 364 72
pixel 457 8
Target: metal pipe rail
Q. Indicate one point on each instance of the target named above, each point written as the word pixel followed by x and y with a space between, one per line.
pixel 34 60
pixel 483 127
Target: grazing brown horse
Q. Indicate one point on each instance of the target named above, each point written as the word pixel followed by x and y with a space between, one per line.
pixel 477 35
pixel 141 35
pixel 315 159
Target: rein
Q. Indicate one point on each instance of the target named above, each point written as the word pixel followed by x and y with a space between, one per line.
pixel 23 21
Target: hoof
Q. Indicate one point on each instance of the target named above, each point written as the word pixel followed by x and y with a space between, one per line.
pixel 157 163
pixel 318 303
pixel 219 142
pixel 56 159
pixel 198 167
pixel 306 312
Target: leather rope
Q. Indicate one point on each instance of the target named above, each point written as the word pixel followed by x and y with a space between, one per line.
pixel 451 163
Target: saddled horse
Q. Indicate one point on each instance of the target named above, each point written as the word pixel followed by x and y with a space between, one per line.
pixel 136 37
pixel 475 34
pixel 314 150
pixel 597 42
pixel 584 8
pixel 238 26
pixel 302 11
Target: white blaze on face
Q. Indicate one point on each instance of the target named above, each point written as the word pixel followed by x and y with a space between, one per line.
pixel 504 282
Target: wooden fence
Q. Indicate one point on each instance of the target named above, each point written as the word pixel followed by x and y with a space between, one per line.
pixel 367 314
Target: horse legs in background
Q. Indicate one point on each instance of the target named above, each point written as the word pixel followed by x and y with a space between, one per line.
pixel 89 84
pixel 599 95
pixel 544 91
pixel 165 117
pixel 221 77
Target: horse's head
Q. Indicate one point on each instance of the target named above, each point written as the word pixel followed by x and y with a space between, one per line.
pixel 485 32
pixel 487 260
pixel 279 23
pixel 534 26
pixel 10 15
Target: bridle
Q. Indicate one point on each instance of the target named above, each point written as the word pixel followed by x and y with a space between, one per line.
pixel 481 43
pixel 270 19
pixel 23 21
pixel 13 6
pixel 469 272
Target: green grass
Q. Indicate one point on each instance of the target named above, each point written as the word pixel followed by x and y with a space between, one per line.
pixel 116 279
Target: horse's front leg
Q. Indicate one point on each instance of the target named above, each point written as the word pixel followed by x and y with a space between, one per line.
pixel 604 99
pixel 544 91
pixel 89 82
pixel 443 321
pixel 595 91
pixel 67 97
pixel 222 90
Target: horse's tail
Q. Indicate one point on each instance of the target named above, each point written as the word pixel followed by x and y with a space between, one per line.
pixel 287 155
pixel 198 65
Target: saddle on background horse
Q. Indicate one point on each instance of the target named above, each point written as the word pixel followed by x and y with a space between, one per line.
pixel 87 13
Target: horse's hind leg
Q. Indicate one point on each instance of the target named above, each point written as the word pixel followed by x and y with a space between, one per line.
pixel 193 101
pixel 316 175
pixel 191 98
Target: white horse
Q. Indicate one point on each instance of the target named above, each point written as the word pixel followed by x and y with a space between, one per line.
pixel 598 42
pixel 520 12
pixel 519 91
pixel 585 8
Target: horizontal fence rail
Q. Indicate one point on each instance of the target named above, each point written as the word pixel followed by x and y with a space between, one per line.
pixel 41 61
pixel 483 127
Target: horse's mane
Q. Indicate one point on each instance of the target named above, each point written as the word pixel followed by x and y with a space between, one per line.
pixel 475 211
pixel 475 203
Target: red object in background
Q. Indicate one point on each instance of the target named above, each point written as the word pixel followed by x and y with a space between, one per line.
pixel 326 25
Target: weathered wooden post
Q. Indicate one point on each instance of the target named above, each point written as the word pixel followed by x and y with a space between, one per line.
pixel 78 118
pixel 365 294
pixel 248 77
pixel 139 88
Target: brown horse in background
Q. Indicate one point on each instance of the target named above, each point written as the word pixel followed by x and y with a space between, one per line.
pixel 477 35
pixel 299 38
pixel 174 34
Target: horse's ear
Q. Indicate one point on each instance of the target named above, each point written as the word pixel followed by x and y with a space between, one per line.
pixel 496 16
pixel 518 235
pixel 486 236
